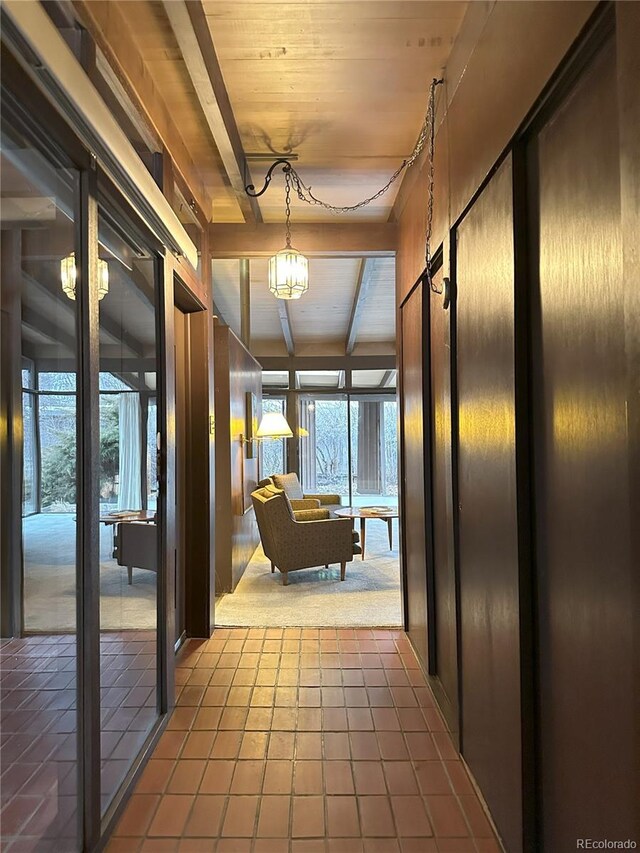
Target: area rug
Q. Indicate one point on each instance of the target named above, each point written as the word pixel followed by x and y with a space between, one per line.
pixel 317 598
pixel 50 590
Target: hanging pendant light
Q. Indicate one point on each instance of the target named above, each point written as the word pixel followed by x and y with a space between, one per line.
pixel 68 276
pixel 288 269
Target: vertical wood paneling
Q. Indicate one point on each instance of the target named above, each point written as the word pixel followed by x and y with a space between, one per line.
pixel 488 544
pixel 236 372
pixel 413 494
pixel 515 53
pixel 444 581
pixel 585 580
pixel 628 75
pixel 183 484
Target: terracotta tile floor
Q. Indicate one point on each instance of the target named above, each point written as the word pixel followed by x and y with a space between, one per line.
pixel 38 750
pixel 303 741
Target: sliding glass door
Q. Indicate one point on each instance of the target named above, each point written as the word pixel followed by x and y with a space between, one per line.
pixel 83 596
pixel 348 445
pixel 40 569
pixel 128 524
pixel 324 444
pixel 374 450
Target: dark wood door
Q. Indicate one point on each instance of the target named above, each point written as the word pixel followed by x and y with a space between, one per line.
pixel 443 630
pixel 587 730
pixel 488 534
pixel 413 471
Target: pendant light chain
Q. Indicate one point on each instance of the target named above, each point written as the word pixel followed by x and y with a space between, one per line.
pixel 431 123
pixel 427 134
pixel 288 269
pixel 287 204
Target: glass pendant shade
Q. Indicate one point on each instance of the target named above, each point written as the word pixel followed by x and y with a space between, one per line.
pixel 288 274
pixel 68 276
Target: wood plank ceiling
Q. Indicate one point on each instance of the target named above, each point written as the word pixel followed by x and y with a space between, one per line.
pixel 320 319
pixel 343 86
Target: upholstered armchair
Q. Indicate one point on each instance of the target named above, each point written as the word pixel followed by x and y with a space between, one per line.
pixel 291 542
pixel 136 545
pixel 291 485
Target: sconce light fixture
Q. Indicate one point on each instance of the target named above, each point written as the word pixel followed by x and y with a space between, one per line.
pixel 272 426
pixel 68 276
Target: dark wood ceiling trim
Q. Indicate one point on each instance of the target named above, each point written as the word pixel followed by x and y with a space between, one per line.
pixel 317 239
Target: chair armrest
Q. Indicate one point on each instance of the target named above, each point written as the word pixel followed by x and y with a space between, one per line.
pixel 326 500
pixel 314 543
pixel 304 503
pixel 311 514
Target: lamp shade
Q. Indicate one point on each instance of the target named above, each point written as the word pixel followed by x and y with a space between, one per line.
pixel 288 274
pixel 274 425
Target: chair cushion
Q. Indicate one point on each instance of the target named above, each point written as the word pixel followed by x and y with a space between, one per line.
pixel 290 484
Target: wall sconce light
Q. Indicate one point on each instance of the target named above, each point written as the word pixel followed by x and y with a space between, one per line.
pixel 272 426
pixel 69 275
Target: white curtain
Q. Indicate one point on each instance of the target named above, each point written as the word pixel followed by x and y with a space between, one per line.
pixel 129 494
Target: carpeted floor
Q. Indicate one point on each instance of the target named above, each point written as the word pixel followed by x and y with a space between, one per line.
pixel 50 580
pixel 369 597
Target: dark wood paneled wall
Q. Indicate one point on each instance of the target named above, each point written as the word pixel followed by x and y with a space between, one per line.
pixel 444 628
pixel 488 535
pixel 628 102
pixel 236 373
pixel 545 464
pixel 585 574
pixel 413 472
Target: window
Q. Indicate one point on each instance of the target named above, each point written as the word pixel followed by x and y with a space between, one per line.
pixel 273 452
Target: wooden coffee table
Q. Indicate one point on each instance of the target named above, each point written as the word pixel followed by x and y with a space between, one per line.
pixel 364 512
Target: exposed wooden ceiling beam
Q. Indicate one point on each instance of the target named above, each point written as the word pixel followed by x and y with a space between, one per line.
pixel 285 322
pixel 386 379
pixel 190 27
pixel 108 326
pixel 318 239
pixel 357 309
pixel 281 363
pixel 48 329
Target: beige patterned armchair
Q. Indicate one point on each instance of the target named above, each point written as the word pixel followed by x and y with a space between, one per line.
pixel 292 542
pixel 291 485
